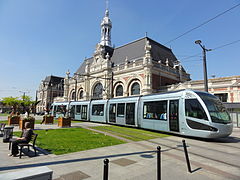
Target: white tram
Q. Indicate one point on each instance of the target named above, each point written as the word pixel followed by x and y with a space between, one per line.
pixel 185 112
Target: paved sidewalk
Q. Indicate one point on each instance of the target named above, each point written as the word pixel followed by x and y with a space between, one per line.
pixel 135 160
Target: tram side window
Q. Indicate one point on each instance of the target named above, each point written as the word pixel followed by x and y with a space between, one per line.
pixel 120 109
pixel 194 109
pixel 78 109
pixel 97 110
pixel 155 110
pixel 61 109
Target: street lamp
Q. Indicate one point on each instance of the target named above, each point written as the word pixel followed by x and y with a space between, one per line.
pixel 75 97
pixel 51 95
pixel 204 63
pixel 35 105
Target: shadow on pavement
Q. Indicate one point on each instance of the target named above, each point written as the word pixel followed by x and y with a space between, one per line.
pixel 71 160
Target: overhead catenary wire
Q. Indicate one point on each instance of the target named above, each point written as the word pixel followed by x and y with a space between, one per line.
pixel 209 20
pixel 219 47
pixel 226 44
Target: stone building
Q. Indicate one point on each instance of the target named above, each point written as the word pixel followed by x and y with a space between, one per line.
pixel 226 88
pixel 49 88
pixel 138 68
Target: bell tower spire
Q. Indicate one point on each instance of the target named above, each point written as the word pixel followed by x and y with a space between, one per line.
pixel 106 27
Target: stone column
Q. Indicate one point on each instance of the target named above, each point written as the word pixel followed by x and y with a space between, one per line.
pixel 66 86
pixel 147 63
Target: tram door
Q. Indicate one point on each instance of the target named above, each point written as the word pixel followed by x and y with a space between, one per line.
pixel 84 112
pixel 130 113
pixel 174 115
pixel 112 113
pixel 72 112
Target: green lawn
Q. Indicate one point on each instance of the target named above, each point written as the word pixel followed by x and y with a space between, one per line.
pixel 131 133
pixel 4 114
pixel 62 141
pixel 5 121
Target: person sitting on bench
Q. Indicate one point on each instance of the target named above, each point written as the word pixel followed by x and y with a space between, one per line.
pixel 26 138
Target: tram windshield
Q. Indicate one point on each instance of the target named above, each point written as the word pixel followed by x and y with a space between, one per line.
pixel 216 109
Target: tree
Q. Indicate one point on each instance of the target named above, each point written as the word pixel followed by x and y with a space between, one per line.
pixel 12 101
pixel 25 102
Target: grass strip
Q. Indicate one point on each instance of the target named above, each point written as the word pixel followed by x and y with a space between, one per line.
pixel 62 141
pixel 4 114
pixel 130 133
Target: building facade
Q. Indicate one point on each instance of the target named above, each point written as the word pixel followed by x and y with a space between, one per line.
pixel 138 68
pixel 227 89
pixel 49 89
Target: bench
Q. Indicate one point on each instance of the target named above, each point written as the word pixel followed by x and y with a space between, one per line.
pixel 21 145
pixel 30 144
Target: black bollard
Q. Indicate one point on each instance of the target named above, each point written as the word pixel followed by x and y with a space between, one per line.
pixel 158 163
pixel 186 155
pixel 105 170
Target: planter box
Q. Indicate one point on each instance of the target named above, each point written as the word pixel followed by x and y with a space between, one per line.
pixel 48 119
pixel 13 120
pixel 64 122
pixel 23 121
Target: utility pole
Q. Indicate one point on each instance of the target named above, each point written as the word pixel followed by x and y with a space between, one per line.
pixel 36 98
pixel 204 64
pixel 50 95
pixel 23 97
pixel 75 98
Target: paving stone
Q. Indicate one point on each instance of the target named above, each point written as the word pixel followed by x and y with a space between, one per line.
pixel 123 162
pixel 78 175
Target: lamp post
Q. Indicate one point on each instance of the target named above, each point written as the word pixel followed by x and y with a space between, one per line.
pixel 50 102
pixel 75 98
pixel 23 98
pixel 204 64
pixel 35 105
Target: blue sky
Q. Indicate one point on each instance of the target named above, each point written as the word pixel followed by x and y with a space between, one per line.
pixel 43 37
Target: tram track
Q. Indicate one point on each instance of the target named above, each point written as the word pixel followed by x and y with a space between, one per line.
pixel 178 149
pixel 199 155
pixel 224 144
pixel 206 148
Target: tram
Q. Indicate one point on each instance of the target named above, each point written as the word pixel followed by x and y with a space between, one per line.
pixel 184 112
pixel 59 109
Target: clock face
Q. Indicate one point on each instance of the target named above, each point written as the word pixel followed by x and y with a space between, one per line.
pixel 97 92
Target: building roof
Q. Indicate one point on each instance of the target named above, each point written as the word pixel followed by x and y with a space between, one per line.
pixel 53 79
pixel 135 50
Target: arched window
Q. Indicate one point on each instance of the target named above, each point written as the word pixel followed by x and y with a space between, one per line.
pixel 98 91
pixel 81 95
pixel 73 96
pixel 135 90
pixel 119 90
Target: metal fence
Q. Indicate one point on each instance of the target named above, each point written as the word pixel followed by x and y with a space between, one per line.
pixel 235 116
